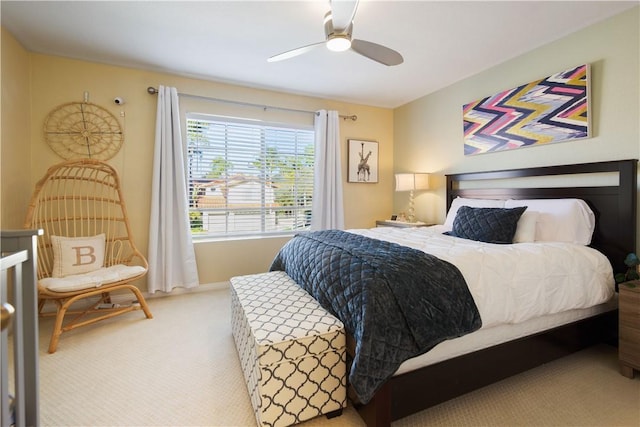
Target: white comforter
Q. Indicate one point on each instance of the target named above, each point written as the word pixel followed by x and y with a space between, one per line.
pixel 514 283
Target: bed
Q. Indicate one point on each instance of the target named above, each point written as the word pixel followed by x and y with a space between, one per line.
pixel 479 358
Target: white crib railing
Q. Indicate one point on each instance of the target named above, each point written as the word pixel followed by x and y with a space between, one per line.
pixel 20 315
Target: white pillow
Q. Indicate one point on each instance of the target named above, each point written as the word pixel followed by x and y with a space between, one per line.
pixel 474 203
pixel 526 230
pixel 560 220
pixel 77 255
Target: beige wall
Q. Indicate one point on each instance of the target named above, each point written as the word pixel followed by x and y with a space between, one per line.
pixel 15 133
pixel 428 132
pixel 55 81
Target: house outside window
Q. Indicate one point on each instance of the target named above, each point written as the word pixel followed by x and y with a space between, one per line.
pixel 247 178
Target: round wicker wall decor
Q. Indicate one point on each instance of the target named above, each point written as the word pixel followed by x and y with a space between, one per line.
pixel 83 129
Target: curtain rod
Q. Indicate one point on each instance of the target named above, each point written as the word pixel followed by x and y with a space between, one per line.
pixel 152 91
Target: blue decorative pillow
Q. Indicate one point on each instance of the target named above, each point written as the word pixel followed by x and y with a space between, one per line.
pixel 490 225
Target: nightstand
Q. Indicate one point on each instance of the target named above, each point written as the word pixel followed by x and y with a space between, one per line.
pixel 629 328
pixel 400 224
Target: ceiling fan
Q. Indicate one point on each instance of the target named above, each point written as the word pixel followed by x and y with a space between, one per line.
pixel 338 27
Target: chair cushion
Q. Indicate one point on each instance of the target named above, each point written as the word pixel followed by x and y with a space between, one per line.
pixel 93 279
pixel 77 255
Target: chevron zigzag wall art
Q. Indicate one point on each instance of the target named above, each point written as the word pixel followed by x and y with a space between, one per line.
pixel 549 110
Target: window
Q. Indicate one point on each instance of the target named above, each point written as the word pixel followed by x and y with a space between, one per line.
pixel 248 178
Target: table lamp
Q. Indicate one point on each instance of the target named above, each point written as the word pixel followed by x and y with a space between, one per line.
pixel 410 182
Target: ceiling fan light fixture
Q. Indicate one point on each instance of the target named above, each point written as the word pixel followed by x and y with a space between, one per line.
pixel 338 43
pixel 338 39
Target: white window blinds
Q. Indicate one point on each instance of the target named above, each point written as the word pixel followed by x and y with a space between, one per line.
pixel 248 178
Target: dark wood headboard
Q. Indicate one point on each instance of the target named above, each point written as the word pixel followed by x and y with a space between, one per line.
pixel 614 206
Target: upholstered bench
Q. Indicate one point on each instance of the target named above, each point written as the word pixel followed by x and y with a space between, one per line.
pixel 292 351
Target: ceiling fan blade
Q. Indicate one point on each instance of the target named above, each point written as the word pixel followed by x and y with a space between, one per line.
pixel 294 52
pixel 377 52
pixel 342 14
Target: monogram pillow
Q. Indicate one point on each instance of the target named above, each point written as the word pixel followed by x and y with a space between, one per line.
pixel 77 255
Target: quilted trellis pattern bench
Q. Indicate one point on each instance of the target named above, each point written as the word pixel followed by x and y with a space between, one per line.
pixel 292 351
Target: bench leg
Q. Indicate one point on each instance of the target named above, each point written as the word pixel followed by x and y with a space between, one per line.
pixel 334 414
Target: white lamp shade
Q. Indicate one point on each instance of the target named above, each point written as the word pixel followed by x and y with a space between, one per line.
pixel 421 181
pixel 412 181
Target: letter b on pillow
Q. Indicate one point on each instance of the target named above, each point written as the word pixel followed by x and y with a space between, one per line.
pixel 77 255
pixel 85 255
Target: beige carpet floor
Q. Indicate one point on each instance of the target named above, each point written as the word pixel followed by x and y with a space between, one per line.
pixel 181 369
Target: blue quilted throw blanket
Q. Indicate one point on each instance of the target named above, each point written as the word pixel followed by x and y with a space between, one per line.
pixel 396 302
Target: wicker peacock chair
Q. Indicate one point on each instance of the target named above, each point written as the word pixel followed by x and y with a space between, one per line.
pixel 79 206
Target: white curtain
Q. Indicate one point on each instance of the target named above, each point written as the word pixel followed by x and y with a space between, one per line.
pixel 328 210
pixel 172 261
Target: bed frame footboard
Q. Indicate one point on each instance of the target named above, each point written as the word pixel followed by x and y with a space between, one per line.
pixel 415 391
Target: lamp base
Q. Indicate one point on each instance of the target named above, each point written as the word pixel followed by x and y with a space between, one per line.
pixel 411 213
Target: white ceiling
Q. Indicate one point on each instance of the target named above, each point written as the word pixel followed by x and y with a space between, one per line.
pixel 229 41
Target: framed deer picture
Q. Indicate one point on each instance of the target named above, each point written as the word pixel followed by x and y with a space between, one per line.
pixel 363 161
